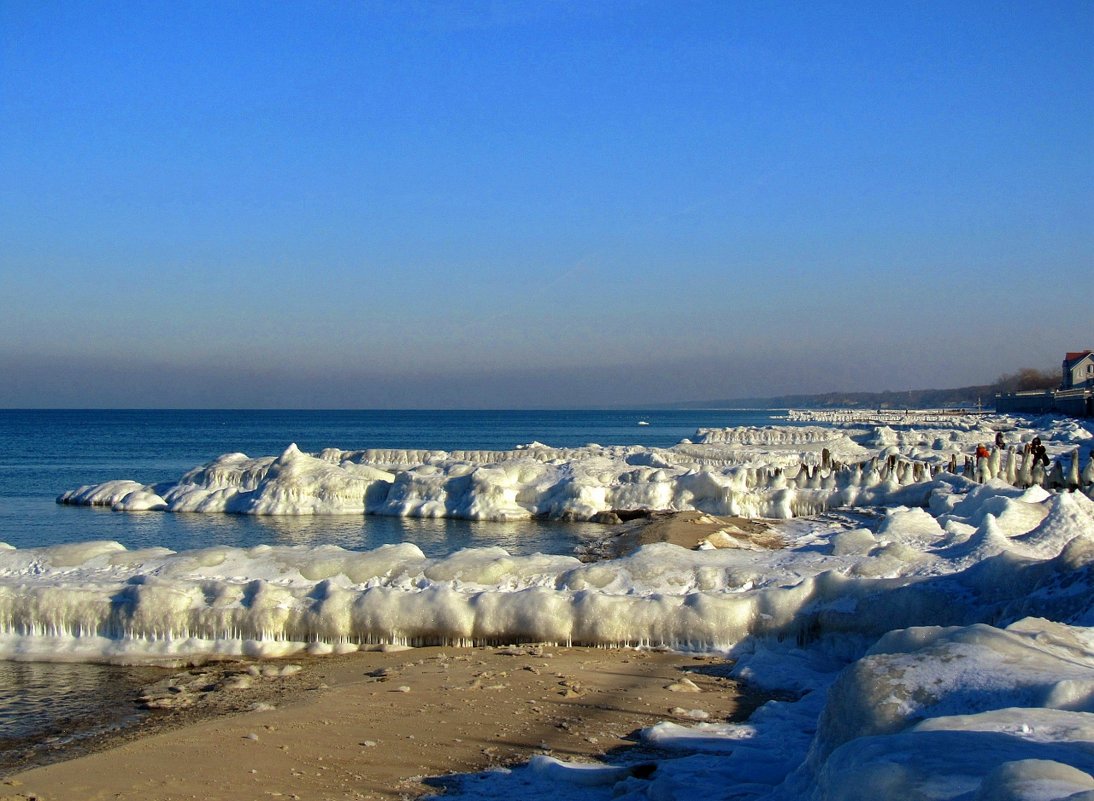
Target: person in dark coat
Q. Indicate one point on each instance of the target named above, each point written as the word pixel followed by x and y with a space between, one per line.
pixel 1040 455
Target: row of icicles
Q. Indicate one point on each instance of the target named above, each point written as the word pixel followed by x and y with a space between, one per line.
pixel 1016 467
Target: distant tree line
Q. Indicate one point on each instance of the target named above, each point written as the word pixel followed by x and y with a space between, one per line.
pixel 1027 378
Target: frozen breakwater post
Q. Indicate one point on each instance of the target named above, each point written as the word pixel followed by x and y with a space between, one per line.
pixel 932 616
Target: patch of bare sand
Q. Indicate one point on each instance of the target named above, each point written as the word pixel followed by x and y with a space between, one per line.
pixel 686 529
pixel 374 725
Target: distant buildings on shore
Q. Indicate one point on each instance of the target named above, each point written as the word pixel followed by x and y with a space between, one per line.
pixel 1074 397
pixel 1078 370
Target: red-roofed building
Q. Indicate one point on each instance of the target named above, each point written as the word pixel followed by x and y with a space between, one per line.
pixel 1078 370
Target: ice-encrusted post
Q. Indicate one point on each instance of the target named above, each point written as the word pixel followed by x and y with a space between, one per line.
pixel 1025 472
pixel 1088 471
pixel 1055 478
pixel 1073 480
pixel 1011 469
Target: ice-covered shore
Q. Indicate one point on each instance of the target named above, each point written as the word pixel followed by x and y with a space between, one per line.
pixel 775 472
pixel 976 553
pixel 939 646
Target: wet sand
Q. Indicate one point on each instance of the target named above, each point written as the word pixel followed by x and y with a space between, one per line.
pixel 386 725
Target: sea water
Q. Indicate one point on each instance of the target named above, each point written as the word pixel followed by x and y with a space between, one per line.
pixel 47 708
pixel 45 452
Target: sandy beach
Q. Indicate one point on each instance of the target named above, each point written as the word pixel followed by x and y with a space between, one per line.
pixel 386 725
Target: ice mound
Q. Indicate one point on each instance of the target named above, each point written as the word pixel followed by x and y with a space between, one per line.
pixel 963 712
pixel 914 674
pixel 122 495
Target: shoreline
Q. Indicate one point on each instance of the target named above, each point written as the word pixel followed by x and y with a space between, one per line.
pixel 184 697
pixel 390 724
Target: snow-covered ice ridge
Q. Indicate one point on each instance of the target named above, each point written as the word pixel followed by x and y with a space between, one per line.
pixel 912 417
pixel 977 552
pixel 772 471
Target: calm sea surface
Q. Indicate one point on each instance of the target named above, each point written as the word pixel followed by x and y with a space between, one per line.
pixel 45 452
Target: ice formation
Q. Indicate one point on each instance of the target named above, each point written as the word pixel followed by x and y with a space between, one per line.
pixel 774 471
pixel 973 553
pixel 939 644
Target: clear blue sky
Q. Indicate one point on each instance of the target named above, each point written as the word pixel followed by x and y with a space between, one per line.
pixel 538 204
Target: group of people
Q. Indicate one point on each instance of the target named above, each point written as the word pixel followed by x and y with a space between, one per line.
pixel 1034 446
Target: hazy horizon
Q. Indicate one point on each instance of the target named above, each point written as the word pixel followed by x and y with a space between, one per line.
pixel 506 205
pixel 295 393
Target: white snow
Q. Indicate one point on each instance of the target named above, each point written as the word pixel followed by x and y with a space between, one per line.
pixel 940 644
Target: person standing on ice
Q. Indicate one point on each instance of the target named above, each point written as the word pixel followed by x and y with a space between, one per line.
pixel 1000 443
pixel 1040 456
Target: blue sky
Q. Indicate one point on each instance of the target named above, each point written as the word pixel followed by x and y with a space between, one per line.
pixel 538 204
